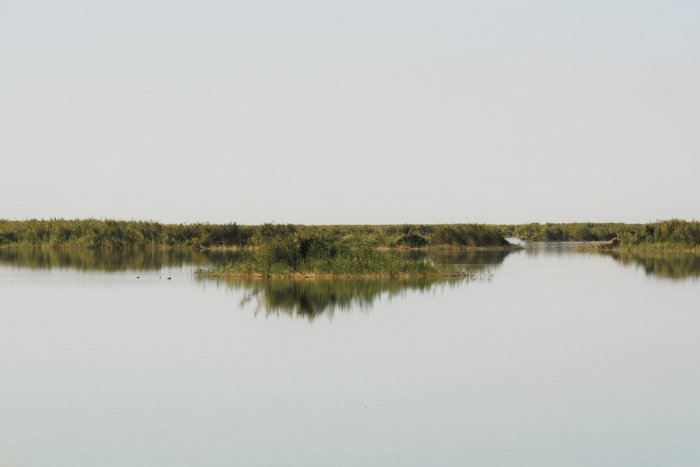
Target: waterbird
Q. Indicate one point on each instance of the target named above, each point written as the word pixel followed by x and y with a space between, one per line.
pixel 169 278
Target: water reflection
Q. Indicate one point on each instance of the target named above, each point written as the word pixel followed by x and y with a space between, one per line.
pixel 475 259
pixel 558 248
pixel 147 259
pixel 310 299
pixel 672 266
pixel 662 265
pixel 142 259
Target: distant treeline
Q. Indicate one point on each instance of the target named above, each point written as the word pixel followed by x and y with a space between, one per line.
pixel 579 232
pixel 112 234
pixel 672 233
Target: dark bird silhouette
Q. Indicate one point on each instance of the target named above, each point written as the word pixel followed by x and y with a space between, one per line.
pixel 169 278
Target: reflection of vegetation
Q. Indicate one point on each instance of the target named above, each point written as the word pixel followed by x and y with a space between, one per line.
pixel 157 258
pixel 112 234
pixel 664 265
pixel 315 255
pixel 472 258
pixel 112 260
pixel 312 298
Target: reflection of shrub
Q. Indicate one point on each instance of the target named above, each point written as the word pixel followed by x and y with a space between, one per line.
pixel 89 259
pixel 311 299
pixel 663 265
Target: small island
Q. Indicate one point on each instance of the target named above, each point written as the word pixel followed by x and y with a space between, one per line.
pixel 314 256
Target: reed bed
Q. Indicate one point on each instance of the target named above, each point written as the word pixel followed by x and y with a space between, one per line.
pixel 113 234
pixel 674 234
pixel 313 256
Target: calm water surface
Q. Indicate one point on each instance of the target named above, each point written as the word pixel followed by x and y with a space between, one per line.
pixel 550 358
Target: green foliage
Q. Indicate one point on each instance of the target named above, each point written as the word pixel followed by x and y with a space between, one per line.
pixel 267 232
pixel 662 234
pixel 674 232
pixel 110 234
pixel 467 235
pixel 412 239
pixel 325 255
pixel 580 232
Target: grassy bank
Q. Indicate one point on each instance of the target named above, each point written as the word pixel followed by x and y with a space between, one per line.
pixel 326 256
pixel 644 247
pixel 568 232
pixel 671 235
pixel 112 234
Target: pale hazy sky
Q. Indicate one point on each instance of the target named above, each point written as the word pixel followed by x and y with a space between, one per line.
pixel 350 112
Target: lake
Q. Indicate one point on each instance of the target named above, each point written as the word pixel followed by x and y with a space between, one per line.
pixel 547 357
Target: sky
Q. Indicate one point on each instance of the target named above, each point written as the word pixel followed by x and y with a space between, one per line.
pixel 337 112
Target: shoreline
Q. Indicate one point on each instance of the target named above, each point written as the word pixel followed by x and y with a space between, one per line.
pixel 234 248
pixel 611 247
pixel 324 276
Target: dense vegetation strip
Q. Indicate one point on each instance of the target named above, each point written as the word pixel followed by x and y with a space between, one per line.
pixel 112 234
pixel 671 234
pixel 579 232
pixel 326 256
